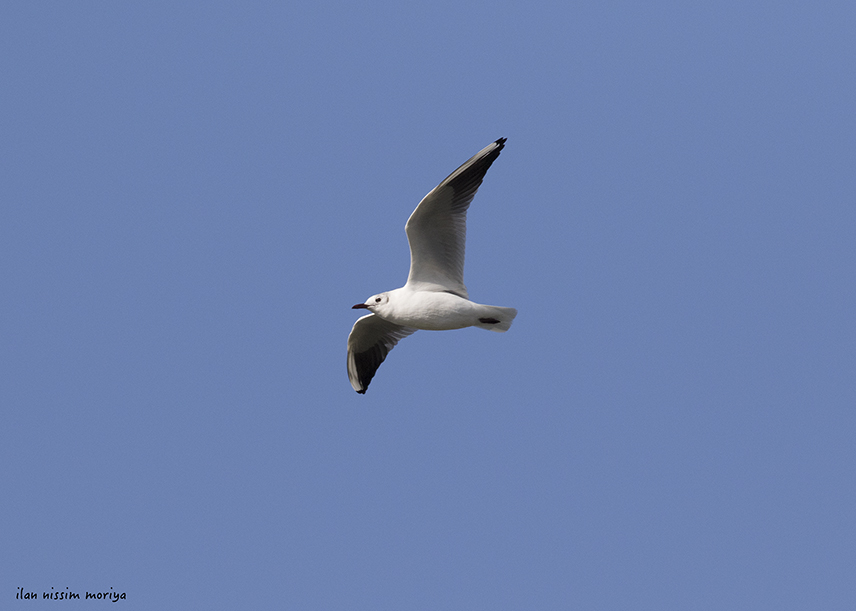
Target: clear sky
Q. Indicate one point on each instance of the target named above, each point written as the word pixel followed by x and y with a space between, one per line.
pixel 194 194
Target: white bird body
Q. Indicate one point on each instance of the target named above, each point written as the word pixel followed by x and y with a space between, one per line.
pixel 434 297
pixel 437 311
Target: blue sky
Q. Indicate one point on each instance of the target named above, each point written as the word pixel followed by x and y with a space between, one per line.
pixel 194 194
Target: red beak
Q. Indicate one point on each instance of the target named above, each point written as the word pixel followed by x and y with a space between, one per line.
pixel 360 305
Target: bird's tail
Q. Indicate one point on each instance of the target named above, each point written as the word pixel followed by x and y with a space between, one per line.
pixel 495 318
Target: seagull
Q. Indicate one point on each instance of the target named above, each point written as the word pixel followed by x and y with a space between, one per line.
pixel 434 297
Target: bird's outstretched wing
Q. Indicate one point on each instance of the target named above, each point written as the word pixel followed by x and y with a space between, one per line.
pixel 437 229
pixel 370 341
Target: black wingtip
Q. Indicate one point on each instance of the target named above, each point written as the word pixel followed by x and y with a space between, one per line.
pixel 362 392
pixel 501 142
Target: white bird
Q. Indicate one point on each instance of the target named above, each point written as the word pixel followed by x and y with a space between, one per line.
pixel 434 296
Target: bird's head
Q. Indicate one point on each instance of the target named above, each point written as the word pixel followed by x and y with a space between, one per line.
pixel 373 302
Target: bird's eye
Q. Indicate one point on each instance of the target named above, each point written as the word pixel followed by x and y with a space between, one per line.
pixel 377 300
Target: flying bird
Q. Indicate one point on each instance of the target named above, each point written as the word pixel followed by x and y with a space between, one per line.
pixel 434 297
